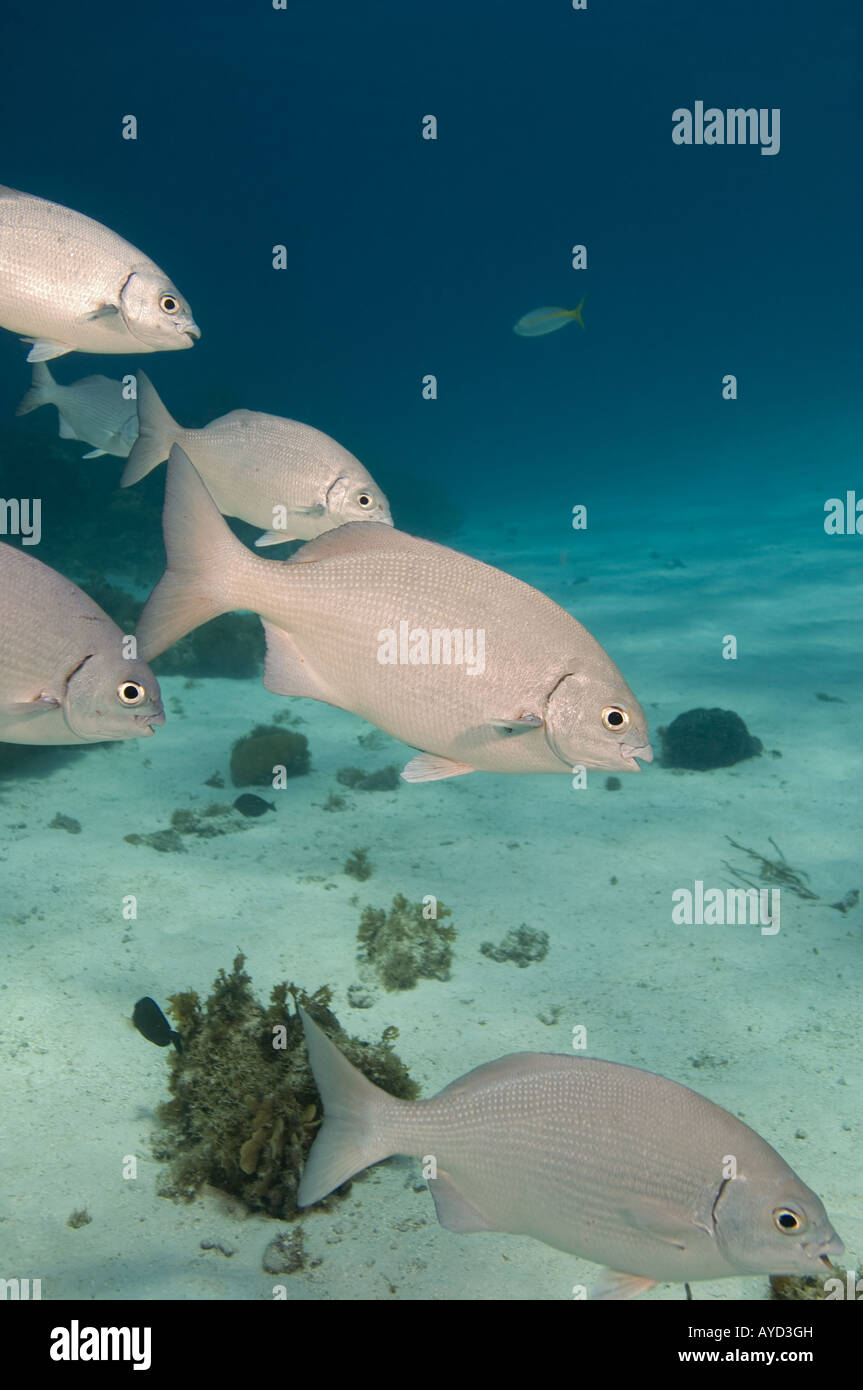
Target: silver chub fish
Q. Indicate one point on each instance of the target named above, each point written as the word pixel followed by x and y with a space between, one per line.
pixel 259 467
pixel 604 1161
pixel 63 676
pixel 93 409
pixel 539 694
pixel 68 284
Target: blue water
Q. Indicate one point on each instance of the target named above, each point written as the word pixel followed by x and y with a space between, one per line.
pixel 407 257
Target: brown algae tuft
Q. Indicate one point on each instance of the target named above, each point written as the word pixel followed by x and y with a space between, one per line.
pixel 772 871
pixel 244 1107
pixel 185 821
pixel 384 779
pixel 358 865
pixel 522 946
pixel 832 1284
pixel 408 943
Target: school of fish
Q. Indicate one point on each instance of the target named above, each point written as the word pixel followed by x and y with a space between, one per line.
pixel 469 666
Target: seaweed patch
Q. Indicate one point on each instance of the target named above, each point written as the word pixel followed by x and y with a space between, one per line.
pixel 244 1107
pixel 408 943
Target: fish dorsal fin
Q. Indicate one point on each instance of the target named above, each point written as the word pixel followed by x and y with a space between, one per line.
pixel 454 1211
pixel 354 538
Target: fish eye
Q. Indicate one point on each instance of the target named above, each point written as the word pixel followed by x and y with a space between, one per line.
pixel 131 693
pixel 169 304
pixel 787 1221
pixel 615 719
pixel 365 500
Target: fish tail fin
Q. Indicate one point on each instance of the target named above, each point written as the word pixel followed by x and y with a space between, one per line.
pixel 576 312
pixel 354 1132
pixel 158 430
pixel 203 559
pixel 41 386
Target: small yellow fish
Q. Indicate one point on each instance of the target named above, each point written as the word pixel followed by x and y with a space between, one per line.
pixel 540 321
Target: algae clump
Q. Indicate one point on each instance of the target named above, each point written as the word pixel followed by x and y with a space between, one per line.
pixel 404 944
pixel 358 865
pixel 244 1108
pixel 383 779
pixel 523 946
pixel 805 1288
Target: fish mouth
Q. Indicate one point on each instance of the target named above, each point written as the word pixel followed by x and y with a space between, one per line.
pixel 150 722
pixel 629 752
pixel 834 1246
pixel 193 333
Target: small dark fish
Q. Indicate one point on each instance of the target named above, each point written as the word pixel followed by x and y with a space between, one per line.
pixel 249 805
pixel 153 1025
pixel 850 900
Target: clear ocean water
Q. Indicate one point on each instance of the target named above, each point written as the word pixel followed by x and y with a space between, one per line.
pixel 707 419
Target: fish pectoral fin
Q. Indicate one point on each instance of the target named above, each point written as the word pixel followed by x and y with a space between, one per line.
pixel 290 533
pixel 522 725
pixel 612 1285
pixel 428 767
pixel 104 311
pixel 653 1218
pixel 17 708
pixel 95 454
pixel 454 1211
pixel 44 349
pixel 275 538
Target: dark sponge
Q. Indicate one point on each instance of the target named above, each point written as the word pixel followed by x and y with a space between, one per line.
pixel 254 757
pixel 705 738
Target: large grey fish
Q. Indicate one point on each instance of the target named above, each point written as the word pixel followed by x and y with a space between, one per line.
pixel 63 675
pixel 93 409
pixel 532 692
pixel 68 284
pixel 262 468
pixel 614 1164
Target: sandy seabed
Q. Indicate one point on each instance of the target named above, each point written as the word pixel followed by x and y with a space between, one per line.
pixel 765 1025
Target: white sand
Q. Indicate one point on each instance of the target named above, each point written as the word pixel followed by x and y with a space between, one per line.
pixel 774 1020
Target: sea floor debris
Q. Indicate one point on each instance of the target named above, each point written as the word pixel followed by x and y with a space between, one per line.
pixel 777 871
